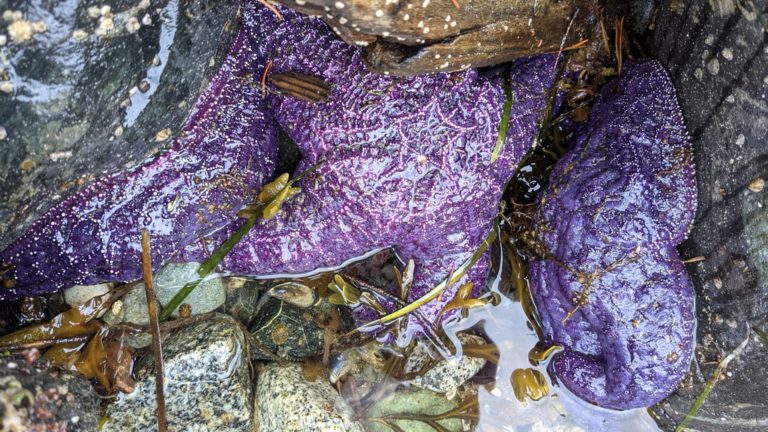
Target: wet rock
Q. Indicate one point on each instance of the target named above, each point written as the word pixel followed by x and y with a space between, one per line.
pixel 429 36
pixel 285 331
pixel 207 383
pixel 726 111
pixel 366 363
pixel 35 400
pixel 79 294
pixel 207 297
pixel 412 403
pixel 70 93
pixel 130 309
pixel 242 298
pixel 287 401
pixel 447 375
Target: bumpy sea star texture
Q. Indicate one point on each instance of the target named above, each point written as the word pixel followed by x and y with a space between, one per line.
pixel 614 292
pixel 407 164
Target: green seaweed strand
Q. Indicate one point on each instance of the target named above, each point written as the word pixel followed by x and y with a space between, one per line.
pixel 711 384
pixel 454 277
pixel 504 125
pixel 218 255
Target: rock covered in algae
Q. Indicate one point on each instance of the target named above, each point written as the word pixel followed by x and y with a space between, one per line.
pixel 612 289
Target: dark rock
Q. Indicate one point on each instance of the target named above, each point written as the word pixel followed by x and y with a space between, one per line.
pixel 66 120
pixel 35 400
pixel 716 53
pixel 285 331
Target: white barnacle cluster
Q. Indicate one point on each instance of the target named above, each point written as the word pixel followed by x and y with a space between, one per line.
pixel 19 29
pixel 106 20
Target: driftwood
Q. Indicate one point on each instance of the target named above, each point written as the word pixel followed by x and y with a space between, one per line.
pixel 405 37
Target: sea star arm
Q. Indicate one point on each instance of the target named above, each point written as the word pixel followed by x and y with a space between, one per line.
pixel 226 149
pixel 613 291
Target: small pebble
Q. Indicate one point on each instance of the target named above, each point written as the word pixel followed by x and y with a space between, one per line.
pixel 757 185
pixel 3 40
pixel 146 20
pixel 3 133
pixel 118 131
pixel 80 294
pixel 8 15
pixel 144 86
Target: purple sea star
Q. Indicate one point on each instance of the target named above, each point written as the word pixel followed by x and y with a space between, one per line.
pixel 407 164
pixel 614 292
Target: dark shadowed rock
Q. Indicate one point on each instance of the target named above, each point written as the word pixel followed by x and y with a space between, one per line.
pixel 67 118
pixel 716 53
pixel 35 400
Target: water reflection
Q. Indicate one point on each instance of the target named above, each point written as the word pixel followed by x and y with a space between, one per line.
pixel 507 325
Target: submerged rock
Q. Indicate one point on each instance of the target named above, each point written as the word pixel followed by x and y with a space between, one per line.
pixel 35 400
pixel 412 403
pixel 285 331
pixel 207 383
pixel 447 375
pixel 206 297
pixel 287 401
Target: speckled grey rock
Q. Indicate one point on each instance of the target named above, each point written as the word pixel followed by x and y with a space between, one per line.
pixel 207 383
pixel 35 400
pixel 447 375
pixel 286 401
pixel 131 308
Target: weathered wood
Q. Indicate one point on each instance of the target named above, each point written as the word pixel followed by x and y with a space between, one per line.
pixel 412 37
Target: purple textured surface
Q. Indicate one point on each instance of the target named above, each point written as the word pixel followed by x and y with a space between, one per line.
pixel 617 205
pixel 407 165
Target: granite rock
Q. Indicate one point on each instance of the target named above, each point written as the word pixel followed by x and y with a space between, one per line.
pixel 207 383
pixel 447 375
pixel 287 401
